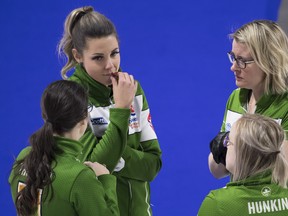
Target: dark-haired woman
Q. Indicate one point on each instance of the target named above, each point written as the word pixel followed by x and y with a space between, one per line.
pixel 47 177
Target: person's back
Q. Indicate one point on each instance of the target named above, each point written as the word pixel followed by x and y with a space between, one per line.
pixel 253 196
pixel 67 187
pixel 47 177
pixel 259 171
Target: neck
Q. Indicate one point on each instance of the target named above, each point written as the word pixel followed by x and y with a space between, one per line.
pixel 251 106
pixel 77 132
pixel 257 92
pixel 255 96
pixel 73 134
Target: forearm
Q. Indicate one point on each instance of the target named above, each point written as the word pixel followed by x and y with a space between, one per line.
pixel 111 147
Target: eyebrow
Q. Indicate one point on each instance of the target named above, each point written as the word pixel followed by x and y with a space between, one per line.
pixel 94 54
pixel 97 54
pixel 240 57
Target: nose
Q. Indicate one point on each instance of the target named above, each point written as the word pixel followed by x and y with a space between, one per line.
pixel 109 64
pixel 234 66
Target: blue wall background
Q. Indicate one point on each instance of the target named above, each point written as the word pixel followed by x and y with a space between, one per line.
pixel 176 49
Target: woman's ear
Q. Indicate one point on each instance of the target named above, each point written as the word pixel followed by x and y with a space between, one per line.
pixel 77 55
pixel 84 121
pixel 83 125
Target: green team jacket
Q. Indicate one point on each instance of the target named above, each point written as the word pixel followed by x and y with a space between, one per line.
pixel 76 190
pixel 273 106
pixel 141 151
pixel 254 196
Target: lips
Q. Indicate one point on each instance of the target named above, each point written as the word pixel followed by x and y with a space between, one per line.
pixel 238 78
pixel 114 74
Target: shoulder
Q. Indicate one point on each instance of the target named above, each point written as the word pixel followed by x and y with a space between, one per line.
pixel 88 178
pixel 68 173
pixel 140 90
pixel 282 99
pixel 218 202
pixel 238 98
pixel 237 93
pixel 24 152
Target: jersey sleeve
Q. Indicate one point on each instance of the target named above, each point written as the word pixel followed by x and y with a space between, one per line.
pixel 92 196
pixel 145 162
pixel 110 148
pixel 142 164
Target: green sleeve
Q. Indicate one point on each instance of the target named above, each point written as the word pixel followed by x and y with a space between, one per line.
pixel 209 206
pixel 142 164
pixel 111 147
pixel 91 196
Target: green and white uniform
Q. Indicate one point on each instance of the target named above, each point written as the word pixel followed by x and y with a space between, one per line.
pixel 254 196
pixel 75 188
pixel 142 154
pixel 273 106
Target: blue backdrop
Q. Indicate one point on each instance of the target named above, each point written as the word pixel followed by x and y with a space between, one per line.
pixel 176 49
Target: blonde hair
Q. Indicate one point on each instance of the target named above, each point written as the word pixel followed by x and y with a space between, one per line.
pixel 259 147
pixel 268 45
pixel 81 24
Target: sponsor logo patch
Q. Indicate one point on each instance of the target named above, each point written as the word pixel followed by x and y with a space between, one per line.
pixel 150 121
pixel 133 122
pixel 99 121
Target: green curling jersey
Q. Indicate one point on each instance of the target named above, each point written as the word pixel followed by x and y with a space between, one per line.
pixel 273 106
pixel 140 151
pixel 75 188
pixel 254 196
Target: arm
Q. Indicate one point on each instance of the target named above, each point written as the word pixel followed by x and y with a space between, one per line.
pixel 98 197
pixel 110 148
pixel 218 170
pixel 142 155
pixel 142 164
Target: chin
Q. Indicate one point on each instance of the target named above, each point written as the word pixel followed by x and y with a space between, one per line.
pixel 108 84
pixel 240 84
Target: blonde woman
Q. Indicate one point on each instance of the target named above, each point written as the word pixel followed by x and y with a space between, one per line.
pixel 256 159
pixel 259 59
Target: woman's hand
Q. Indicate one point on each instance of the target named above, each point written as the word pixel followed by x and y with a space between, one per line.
pixel 98 168
pixel 124 89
